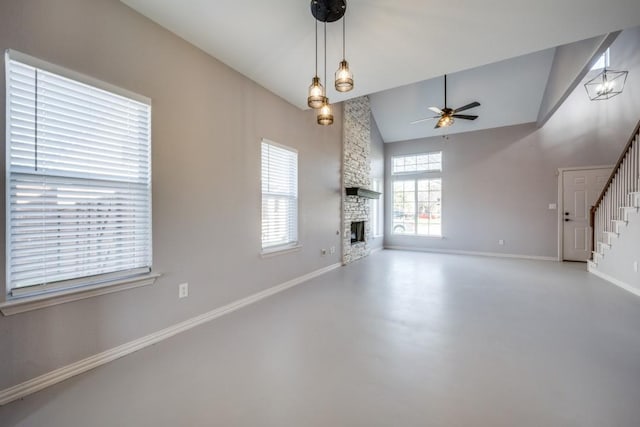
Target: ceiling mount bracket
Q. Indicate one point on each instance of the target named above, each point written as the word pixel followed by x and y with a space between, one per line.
pixel 328 10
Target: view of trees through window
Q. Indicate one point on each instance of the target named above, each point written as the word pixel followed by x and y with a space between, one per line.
pixel 417 194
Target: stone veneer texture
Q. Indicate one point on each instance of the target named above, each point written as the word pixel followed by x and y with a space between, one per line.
pixel 356 172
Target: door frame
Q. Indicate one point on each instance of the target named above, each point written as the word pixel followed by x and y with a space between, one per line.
pixel 560 205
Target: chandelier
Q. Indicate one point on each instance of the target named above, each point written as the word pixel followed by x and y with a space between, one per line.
pixel 328 11
pixel 606 85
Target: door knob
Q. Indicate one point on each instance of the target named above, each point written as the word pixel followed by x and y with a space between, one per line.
pixel 567 220
pixel 566 213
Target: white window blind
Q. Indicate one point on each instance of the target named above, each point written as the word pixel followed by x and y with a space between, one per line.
pixel 279 195
pixel 78 180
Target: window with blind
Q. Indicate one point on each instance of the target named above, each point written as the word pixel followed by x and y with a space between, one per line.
pixel 78 179
pixel 279 196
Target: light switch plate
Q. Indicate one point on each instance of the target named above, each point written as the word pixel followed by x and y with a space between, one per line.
pixel 183 290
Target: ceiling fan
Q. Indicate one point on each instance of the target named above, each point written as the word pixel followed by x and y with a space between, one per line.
pixel 446 115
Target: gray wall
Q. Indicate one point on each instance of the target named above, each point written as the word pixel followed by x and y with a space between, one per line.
pixel 377 169
pixel 571 63
pixel 208 121
pixel 497 184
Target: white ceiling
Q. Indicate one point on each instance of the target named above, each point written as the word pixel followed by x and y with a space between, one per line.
pixel 510 93
pixel 389 43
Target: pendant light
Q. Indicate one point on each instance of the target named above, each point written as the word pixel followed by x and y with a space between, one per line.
pixel 344 78
pixel 606 84
pixel 325 116
pixel 316 91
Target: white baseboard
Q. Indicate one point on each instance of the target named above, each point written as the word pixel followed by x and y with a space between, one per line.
pixel 620 283
pixel 373 251
pixel 457 252
pixel 36 384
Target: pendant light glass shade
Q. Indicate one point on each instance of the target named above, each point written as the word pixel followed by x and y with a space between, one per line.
pixel 344 78
pixel 325 116
pixel 316 94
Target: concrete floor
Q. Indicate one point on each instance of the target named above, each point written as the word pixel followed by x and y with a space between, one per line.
pixel 397 339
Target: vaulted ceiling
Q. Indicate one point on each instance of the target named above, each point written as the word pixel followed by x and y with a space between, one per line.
pixel 390 44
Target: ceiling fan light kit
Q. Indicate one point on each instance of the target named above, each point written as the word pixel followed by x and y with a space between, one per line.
pixel 328 11
pixel 446 115
pixel 606 85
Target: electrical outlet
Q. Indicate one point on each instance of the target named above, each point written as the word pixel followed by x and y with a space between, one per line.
pixel 332 250
pixel 501 242
pixel 553 206
pixel 323 252
pixel 183 290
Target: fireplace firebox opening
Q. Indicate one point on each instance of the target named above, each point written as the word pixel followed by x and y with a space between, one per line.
pixel 357 232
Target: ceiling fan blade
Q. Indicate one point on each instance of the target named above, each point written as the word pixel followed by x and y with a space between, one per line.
pixel 435 110
pixel 437 125
pixel 466 107
pixel 423 120
pixel 464 116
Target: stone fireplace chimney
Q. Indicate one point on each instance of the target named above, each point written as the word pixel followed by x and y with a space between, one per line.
pixel 356 172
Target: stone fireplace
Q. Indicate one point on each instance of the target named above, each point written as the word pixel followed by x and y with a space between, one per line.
pixel 356 172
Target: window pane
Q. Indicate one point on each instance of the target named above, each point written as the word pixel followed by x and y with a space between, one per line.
pixel 415 163
pixel 403 221
pixel 279 195
pixel 429 206
pixel 80 179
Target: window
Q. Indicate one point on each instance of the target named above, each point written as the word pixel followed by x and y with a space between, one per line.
pixel 78 179
pixel 279 196
pixel 417 194
pixel 376 210
pixel 602 62
pixel 416 163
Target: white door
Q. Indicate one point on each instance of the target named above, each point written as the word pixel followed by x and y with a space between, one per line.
pixel 581 189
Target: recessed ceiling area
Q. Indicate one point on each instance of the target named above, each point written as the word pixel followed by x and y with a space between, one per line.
pixel 510 93
pixel 388 44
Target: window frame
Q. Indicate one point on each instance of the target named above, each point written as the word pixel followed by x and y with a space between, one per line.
pixel 19 299
pixel 415 177
pixel 377 209
pixel 602 62
pixel 415 161
pixel 293 244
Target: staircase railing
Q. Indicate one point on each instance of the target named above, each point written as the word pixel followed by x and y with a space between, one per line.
pixel 615 195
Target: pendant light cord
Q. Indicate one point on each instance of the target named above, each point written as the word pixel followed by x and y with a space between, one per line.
pixel 325 52
pixel 316 25
pixel 344 19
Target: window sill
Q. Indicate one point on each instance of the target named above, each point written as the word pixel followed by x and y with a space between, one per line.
pixel 21 305
pixel 419 236
pixel 268 253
